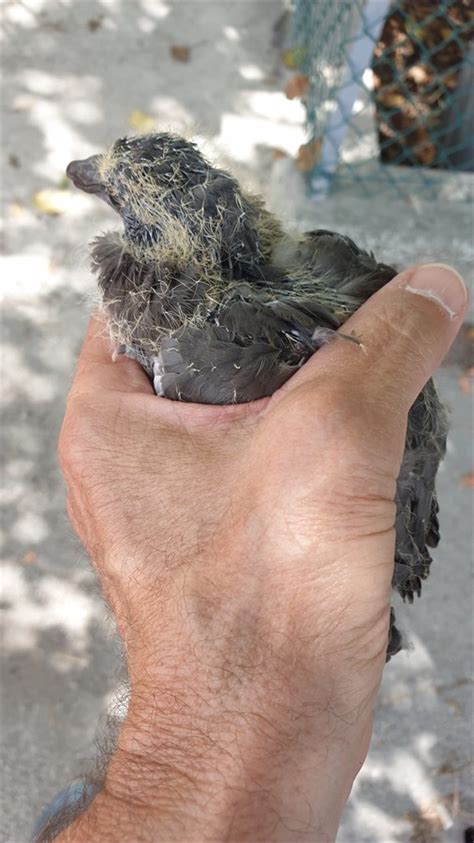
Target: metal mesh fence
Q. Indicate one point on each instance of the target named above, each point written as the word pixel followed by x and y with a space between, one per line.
pixel 387 83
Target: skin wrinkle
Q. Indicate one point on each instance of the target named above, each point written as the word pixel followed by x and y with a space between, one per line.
pixel 411 335
pixel 248 667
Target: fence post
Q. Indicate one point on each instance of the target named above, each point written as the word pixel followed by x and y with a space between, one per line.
pixel 368 26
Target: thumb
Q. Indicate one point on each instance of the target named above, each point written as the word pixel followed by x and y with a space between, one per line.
pixel 404 331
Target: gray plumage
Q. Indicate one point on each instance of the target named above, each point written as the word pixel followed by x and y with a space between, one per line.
pixel 220 306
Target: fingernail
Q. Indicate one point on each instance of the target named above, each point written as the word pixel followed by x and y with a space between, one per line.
pixel 441 283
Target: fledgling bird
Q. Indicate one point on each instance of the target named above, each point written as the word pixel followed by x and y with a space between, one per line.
pixel 219 305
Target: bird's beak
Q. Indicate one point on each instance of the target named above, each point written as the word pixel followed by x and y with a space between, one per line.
pixel 85 175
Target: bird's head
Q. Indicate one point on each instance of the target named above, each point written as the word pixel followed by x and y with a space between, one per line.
pixel 143 178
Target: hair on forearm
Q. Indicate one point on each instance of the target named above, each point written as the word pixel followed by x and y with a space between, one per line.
pixel 90 783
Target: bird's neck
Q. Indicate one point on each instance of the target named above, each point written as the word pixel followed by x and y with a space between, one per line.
pixel 145 295
pixel 139 235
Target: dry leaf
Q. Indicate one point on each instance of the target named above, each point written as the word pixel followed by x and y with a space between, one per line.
pixel 454 706
pixel 428 822
pixel 278 153
pixel 426 154
pixel 294 58
pixel 180 52
pixel 449 765
pixel 141 121
pixel 470 334
pixel 29 557
pixel 393 100
pixel 468 479
pixel 445 32
pixel 419 74
pixel 95 23
pixel 453 765
pixel 450 80
pixel 14 161
pixel 52 202
pixel 464 380
pixel 297 86
pixel 16 210
pixel 308 156
pixel 464 384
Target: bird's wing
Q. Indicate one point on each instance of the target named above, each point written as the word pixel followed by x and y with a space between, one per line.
pixel 341 264
pixel 416 524
pixel 246 350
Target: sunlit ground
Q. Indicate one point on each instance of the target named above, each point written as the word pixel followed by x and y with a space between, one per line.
pixel 78 75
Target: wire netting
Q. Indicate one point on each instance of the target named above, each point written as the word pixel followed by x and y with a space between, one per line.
pixel 387 82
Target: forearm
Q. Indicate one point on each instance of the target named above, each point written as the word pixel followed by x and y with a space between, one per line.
pixel 200 773
pixel 238 728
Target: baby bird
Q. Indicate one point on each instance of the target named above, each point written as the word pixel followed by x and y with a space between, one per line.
pixel 219 305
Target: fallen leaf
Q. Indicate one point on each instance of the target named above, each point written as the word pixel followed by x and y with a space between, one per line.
pixel 14 161
pixel 52 202
pixel 141 121
pixel 470 334
pixel 392 100
pixel 450 80
pixel 449 764
pixel 452 765
pixel 445 32
pixel 464 384
pixel 95 23
pixel 278 153
pixel 294 58
pixel 180 52
pixel 430 819
pixel 297 86
pixel 454 706
pixel 29 557
pixel 419 74
pixel 308 155
pixel 426 153
pixel 16 210
pixel 468 479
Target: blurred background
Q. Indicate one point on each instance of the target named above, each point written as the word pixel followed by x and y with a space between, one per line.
pixel 353 116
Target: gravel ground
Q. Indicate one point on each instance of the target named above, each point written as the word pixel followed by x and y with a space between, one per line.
pixel 78 74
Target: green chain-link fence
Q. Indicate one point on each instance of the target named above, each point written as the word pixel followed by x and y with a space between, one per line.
pixel 386 82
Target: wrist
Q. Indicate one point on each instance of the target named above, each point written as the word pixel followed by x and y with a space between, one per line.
pixel 236 774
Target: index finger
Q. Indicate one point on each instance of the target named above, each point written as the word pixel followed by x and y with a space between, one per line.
pixel 98 370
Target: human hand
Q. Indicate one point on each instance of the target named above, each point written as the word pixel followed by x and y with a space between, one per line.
pixel 247 555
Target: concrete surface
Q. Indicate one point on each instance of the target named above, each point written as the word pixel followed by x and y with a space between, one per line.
pixel 76 71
